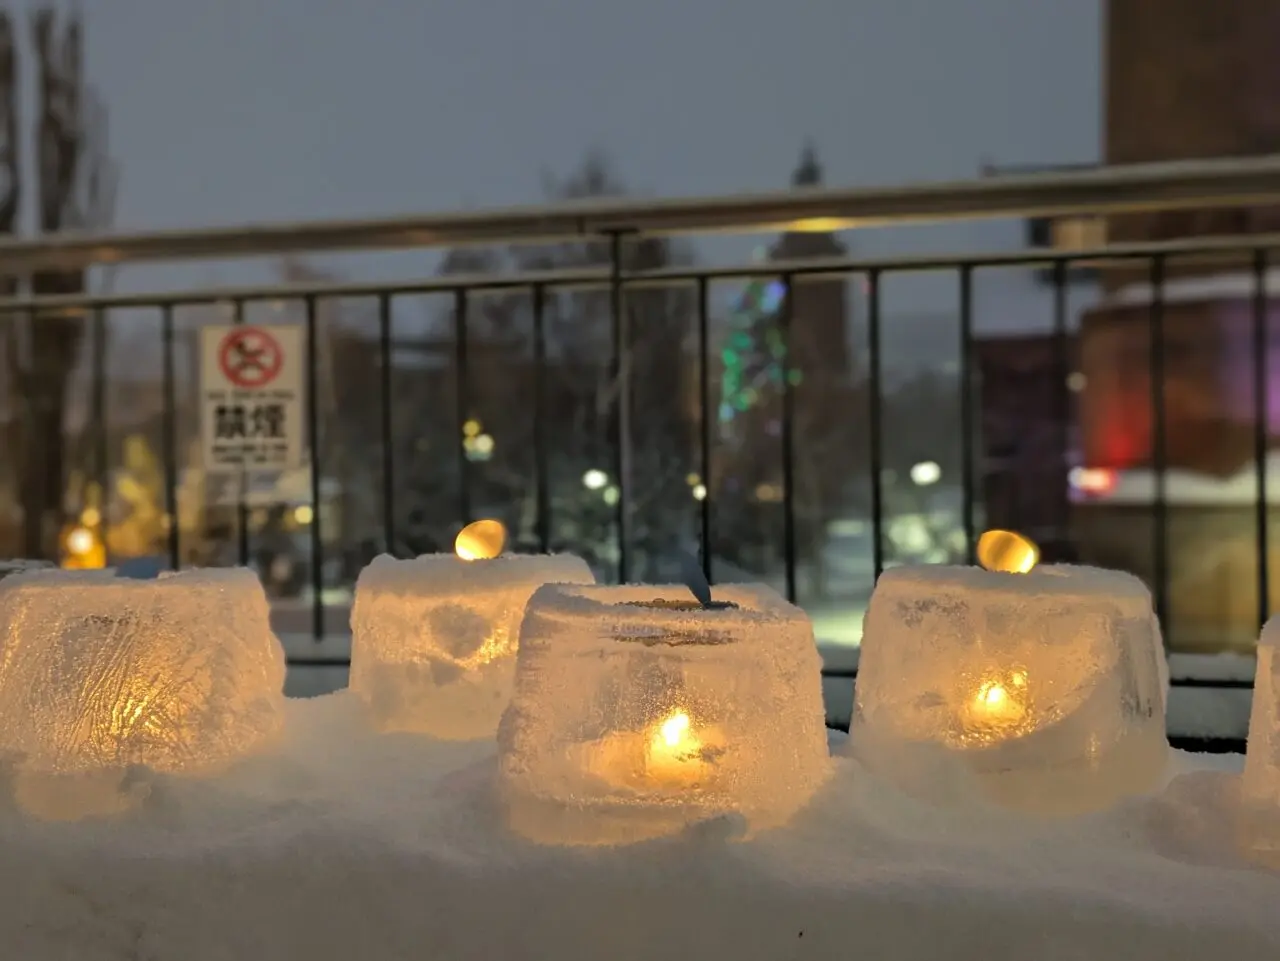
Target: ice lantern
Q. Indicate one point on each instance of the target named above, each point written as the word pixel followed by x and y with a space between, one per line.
pixel 1047 686
pixel 638 712
pixel 433 639
pixel 1260 785
pixel 102 676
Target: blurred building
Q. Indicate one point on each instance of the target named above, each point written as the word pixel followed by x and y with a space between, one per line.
pixel 1184 80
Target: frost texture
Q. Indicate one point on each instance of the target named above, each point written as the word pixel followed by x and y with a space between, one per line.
pixel 1050 686
pixel 100 674
pixel 434 639
pixel 631 720
pixel 1260 785
pixel 9 568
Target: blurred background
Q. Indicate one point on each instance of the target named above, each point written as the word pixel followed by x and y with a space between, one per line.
pixel 1024 400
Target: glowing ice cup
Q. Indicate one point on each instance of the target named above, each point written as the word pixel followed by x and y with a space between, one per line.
pixel 102 676
pixel 1048 686
pixel 638 713
pixel 434 639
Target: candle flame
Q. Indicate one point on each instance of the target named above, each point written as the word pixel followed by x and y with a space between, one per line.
pixel 1007 551
pixel 675 729
pixel 481 540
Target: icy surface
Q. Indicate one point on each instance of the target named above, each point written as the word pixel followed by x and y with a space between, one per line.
pixel 1260 785
pixel 9 568
pixel 434 639
pixel 1048 688
pixel 349 845
pixel 100 676
pixel 632 719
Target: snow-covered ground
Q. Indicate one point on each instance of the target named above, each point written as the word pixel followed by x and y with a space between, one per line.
pixel 344 844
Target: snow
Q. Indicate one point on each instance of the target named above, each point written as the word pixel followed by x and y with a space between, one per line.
pixel 1188 488
pixel 638 712
pixel 434 638
pixel 348 844
pixel 102 674
pixel 1048 688
pixel 1228 285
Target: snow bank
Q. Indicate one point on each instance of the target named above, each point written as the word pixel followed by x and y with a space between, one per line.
pixel 348 845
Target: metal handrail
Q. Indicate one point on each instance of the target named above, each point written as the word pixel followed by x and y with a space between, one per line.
pixel 1193 250
pixel 1118 189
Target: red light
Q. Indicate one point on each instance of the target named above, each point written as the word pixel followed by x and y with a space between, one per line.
pixel 1093 480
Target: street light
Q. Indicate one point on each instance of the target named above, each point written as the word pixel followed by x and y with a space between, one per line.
pixel 594 479
pixel 925 473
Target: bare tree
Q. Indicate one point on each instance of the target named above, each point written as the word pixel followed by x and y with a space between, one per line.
pixel 76 184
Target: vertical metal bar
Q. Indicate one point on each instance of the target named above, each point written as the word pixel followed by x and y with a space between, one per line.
pixel 785 316
pixel 704 422
pixel 542 474
pixel 169 405
pixel 967 434
pixel 461 401
pixel 242 507
pixel 1261 428
pixel 620 374
pixel 313 444
pixel 98 391
pixel 385 425
pixel 875 416
pixel 1061 395
pixel 1159 453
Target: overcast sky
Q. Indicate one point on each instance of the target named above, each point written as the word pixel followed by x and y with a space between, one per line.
pixel 236 111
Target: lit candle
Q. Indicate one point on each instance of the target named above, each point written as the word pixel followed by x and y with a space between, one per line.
pixel 998 709
pixel 1007 551
pixel 678 754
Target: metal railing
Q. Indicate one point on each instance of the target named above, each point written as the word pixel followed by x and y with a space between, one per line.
pixel 616 224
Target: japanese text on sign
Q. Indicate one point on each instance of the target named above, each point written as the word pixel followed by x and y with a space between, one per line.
pixel 251 398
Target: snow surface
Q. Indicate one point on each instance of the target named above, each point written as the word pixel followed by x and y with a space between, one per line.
pixel 638 712
pixel 347 844
pixel 434 638
pixel 1054 674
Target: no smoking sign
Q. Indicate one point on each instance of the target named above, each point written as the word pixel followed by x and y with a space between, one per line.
pixel 250 357
pixel 251 381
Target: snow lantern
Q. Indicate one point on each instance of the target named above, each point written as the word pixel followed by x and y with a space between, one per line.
pixel 1047 685
pixel 639 711
pixel 434 639
pixel 1260 785
pixel 102 676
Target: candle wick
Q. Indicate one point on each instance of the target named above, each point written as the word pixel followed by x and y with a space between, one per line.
pixel 695 579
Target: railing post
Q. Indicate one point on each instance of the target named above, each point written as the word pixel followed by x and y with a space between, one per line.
pixel 967 432
pixel 1061 391
pixel 169 406
pixel 541 471
pixel 875 426
pixel 620 374
pixel 1261 429
pixel 786 313
pixel 462 402
pixel 313 442
pixel 1159 453
pixel 385 424
pixel 705 419
pixel 242 480
pixel 98 392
